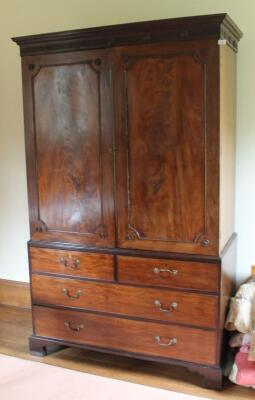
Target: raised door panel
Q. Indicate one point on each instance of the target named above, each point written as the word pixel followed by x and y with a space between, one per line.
pixel 167 147
pixel 68 100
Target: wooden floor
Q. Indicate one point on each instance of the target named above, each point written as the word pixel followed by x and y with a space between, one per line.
pixel 15 327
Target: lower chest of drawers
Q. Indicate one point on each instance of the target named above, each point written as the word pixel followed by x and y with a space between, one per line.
pixel 158 309
pixel 128 335
pixel 125 300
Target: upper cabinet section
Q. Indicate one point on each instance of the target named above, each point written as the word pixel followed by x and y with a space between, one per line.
pixel 69 140
pixel 124 136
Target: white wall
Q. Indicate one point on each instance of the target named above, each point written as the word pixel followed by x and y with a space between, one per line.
pixel 25 17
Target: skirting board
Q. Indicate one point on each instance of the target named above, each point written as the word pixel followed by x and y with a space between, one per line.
pixel 16 294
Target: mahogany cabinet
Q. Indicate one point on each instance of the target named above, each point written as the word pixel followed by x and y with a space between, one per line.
pixel 130 144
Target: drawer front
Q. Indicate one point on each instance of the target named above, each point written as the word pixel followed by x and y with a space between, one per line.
pixel 169 273
pixel 75 263
pixel 148 338
pixel 157 304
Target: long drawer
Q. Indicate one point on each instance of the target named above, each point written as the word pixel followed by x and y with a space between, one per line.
pixel 152 339
pixel 168 273
pixel 75 263
pixel 158 304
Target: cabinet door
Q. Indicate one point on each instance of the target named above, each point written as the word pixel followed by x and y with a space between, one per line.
pixel 68 128
pixel 167 147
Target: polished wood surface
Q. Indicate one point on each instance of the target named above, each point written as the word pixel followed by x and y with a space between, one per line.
pixel 15 327
pixel 162 80
pixel 185 308
pixel 164 255
pixel 68 144
pixel 163 127
pixel 73 263
pixel 67 134
pixel 168 273
pixel 127 335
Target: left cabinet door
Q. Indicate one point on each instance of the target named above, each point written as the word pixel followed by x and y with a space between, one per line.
pixel 67 111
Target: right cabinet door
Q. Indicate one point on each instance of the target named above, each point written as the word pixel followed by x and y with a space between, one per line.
pixel 166 110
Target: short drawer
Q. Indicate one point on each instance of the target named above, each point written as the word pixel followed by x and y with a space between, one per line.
pixel 151 339
pixel 154 304
pixel 75 263
pixel 168 273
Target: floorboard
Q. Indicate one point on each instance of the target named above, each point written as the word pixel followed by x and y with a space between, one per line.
pixel 15 328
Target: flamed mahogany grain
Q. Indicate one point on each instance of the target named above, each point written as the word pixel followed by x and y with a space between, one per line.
pixel 68 99
pixel 90 265
pixel 192 309
pixel 128 335
pixel 167 147
pixel 190 275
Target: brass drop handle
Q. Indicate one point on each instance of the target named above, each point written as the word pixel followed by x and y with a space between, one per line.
pixel 75 296
pixel 73 328
pixel 171 342
pixel 158 270
pixel 173 306
pixel 75 263
pixel 71 263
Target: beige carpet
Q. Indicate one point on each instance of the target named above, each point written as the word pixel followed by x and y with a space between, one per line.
pixel 29 380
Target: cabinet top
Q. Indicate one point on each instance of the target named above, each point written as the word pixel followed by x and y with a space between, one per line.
pixel 218 26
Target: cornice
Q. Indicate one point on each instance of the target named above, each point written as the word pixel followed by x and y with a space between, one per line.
pixel 218 26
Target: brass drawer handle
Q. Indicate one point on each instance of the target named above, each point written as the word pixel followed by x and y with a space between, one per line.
pixel 75 296
pixel 173 306
pixel 75 263
pixel 72 263
pixel 157 270
pixel 171 342
pixel 73 328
